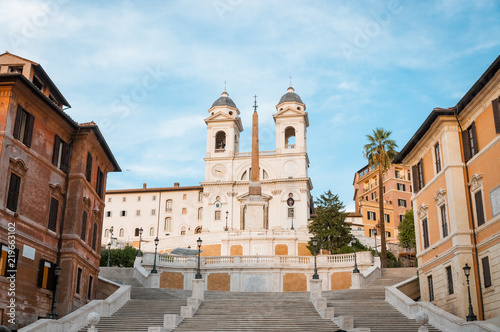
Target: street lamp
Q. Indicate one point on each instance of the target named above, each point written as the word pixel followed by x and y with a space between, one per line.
pixel 353 243
pixel 156 248
pixel 375 235
pixel 315 244
pixel 53 314
pixel 109 250
pixel 198 273
pixel 227 214
pixel 470 317
pixel 139 253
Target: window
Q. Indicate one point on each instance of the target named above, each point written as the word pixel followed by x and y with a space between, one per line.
pixel 437 154
pixel 154 198
pixel 88 169
pixel 100 182
pixel 220 141
pixel 374 195
pixel 109 200
pixel 496 114
pixel 197 230
pixel 108 214
pixel 387 234
pixel 401 187
pixel 387 218
pixel 53 211
pixel 152 231
pixel 153 212
pixel 13 194
pixel 401 217
pixel 138 198
pixel 183 230
pixel 372 232
pixel 469 141
pixel 217 215
pixel 138 212
pixel 444 220
pixel 78 281
pixel 37 82
pixel 136 232
pixel 94 237
pixel 184 196
pixel 89 291
pixel 200 213
pixel 123 213
pixel 478 199
pixel 372 215
pixel 106 232
pixel 425 233
pixel 168 205
pixel 290 138
pixel 397 173
pixel 449 276
pixel 84 226
pixel 401 202
pixel 15 69
pixel 200 196
pixel 46 277
pixel 184 211
pixel 7 266
pixel 431 288
pixel 124 199
pixel 486 271
pixel 23 126
pixel 122 232
pixel 418 176
pixel 60 157
pixel 291 212
pixel 168 224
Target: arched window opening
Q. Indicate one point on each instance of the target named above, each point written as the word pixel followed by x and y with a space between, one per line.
pixel 197 230
pixel 265 176
pixel 168 224
pixel 152 231
pixel 183 230
pixel 121 233
pixel 220 141
pixel 136 232
pixel 106 233
pixel 168 205
pixel 200 196
pixel 244 176
pixel 290 138
pixel 200 213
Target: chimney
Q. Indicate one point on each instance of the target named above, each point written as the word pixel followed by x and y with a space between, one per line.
pixel 176 184
pixel 144 186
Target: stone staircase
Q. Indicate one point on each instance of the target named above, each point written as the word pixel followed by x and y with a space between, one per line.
pixel 120 275
pixel 368 306
pixel 145 308
pixel 224 311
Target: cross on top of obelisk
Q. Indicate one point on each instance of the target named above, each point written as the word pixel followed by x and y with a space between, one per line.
pixel 255 103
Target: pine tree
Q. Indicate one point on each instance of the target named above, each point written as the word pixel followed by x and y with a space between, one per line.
pixel 329 226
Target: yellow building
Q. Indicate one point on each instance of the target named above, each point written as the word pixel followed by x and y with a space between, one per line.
pixel 455 158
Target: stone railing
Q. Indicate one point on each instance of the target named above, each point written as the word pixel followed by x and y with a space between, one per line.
pixel 438 318
pixel 365 278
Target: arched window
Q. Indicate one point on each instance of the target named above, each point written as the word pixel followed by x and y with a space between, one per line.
pixel 244 176
pixel 168 205
pixel 136 232
pixel 152 231
pixel 197 230
pixel 121 233
pixel 220 141
pixel 265 175
pixel 200 213
pixel 290 138
pixel 183 230
pixel 167 226
pixel 106 233
pixel 200 196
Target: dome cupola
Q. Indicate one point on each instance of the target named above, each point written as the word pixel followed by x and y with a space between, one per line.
pixel 290 96
pixel 224 100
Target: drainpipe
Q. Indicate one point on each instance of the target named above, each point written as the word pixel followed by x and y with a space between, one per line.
pixel 474 236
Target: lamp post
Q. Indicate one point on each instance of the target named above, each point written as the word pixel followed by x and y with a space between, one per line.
pixel 227 214
pixel 198 273
pixel 353 243
pixel 315 244
pixel 139 253
pixel 375 235
pixel 292 223
pixel 470 317
pixel 109 251
pixel 156 249
pixel 53 313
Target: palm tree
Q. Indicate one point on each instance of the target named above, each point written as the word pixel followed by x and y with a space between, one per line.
pixel 380 152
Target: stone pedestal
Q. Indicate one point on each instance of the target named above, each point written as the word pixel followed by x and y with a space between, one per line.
pixel 315 287
pixel 198 289
pixel 154 280
pixel 254 217
pixel 138 261
pixel 357 280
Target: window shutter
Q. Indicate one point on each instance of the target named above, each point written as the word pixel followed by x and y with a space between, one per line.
pixel 479 208
pixel 84 226
pixel 28 133
pixel 17 122
pixel 496 114
pixel 65 158
pixel 425 233
pixel 51 280
pixel 88 170
pixel 40 272
pixel 55 155
pixel 474 138
pixel 94 237
pixel 466 145
pixel 13 195
pixel 414 176
pixel 54 208
pixel 486 272
pixel 421 174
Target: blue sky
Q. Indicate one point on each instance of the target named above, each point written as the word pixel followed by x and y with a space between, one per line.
pixel 148 71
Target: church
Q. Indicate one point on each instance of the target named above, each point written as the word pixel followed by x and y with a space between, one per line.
pixel 250 203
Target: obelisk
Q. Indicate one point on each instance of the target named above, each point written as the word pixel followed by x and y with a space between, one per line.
pixel 254 217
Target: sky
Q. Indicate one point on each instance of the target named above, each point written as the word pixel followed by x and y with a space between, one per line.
pixel 147 72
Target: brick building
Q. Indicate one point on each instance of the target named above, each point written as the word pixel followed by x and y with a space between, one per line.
pixel 52 184
pixel 456 200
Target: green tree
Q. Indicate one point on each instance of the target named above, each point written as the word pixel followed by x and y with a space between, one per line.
pixel 406 231
pixel 119 257
pixel 329 226
pixel 380 153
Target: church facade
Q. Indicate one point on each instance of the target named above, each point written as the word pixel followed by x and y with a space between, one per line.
pixel 218 210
